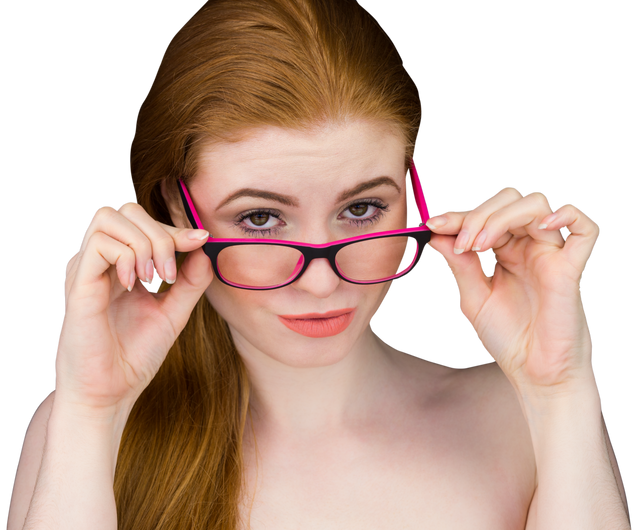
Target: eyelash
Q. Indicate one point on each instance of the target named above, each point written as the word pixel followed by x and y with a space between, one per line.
pixel 358 223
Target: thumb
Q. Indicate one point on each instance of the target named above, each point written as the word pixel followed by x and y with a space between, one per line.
pixel 194 276
pixel 473 285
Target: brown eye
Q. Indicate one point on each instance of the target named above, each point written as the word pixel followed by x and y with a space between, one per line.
pixel 259 219
pixel 358 209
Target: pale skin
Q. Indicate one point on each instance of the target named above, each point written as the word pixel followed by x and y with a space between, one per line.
pixel 350 433
pixel 536 281
pixel 304 387
pixel 528 315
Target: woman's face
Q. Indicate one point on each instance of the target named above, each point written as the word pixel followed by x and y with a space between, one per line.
pixel 308 175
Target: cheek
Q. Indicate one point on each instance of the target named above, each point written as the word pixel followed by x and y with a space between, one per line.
pixel 254 312
pixel 236 306
pixel 377 294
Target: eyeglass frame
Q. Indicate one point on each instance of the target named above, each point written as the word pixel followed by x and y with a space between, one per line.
pixel 213 246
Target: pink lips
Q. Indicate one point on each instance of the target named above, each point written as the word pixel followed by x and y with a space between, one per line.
pixel 319 324
pixel 328 314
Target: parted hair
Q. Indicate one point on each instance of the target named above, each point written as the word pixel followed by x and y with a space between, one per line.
pixel 236 65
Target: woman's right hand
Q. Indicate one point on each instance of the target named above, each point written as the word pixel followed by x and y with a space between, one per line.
pixel 113 340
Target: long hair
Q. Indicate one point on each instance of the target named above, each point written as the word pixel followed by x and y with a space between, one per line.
pixel 236 65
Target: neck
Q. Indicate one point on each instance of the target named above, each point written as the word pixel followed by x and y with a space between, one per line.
pixel 327 398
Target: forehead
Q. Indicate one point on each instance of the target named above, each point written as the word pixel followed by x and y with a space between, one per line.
pixel 286 159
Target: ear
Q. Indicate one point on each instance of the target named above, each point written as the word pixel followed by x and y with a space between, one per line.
pixel 171 196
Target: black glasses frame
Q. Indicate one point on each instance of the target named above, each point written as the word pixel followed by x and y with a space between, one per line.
pixel 309 252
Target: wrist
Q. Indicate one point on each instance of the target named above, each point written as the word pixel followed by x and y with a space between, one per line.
pixel 97 428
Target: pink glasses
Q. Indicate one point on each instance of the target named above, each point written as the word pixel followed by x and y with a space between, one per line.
pixel 273 263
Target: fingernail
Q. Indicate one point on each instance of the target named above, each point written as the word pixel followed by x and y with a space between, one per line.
pixel 149 270
pixel 170 270
pixel 550 219
pixel 132 279
pixel 198 235
pixel 479 241
pixel 436 222
pixel 461 242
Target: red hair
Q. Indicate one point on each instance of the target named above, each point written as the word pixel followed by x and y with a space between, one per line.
pixel 236 65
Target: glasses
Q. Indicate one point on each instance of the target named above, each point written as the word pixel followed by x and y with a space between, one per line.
pixel 273 263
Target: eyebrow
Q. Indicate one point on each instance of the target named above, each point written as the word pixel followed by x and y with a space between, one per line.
pixel 287 200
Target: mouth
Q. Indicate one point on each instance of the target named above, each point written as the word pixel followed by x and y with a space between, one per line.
pixel 319 324
pixel 328 314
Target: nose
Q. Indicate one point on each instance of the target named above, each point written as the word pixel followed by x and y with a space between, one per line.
pixel 319 279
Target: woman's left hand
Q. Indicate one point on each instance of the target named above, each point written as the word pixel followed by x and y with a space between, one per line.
pixel 529 314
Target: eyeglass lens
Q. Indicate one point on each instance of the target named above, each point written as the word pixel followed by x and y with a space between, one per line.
pixel 368 261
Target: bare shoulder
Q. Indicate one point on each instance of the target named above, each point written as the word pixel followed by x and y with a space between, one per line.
pixel 29 464
pixel 483 388
pixel 482 396
pixel 478 409
pixel 474 441
pixel 499 423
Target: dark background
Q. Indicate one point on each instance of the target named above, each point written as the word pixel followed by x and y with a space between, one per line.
pixel 536 99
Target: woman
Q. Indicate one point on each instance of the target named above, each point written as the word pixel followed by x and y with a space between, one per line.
pixel 221 406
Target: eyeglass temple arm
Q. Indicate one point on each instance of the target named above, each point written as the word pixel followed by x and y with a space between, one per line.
pixel 189 208
pixel 418 194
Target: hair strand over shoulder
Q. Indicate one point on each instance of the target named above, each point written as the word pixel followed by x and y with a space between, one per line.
pixel 236 65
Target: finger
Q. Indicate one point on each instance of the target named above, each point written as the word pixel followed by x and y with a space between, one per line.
pixel 472 286
pixel 101 253
pixel 582 238
pixel 116 225
pixel 180 257
pixel 194 276
pixel 153 243
pixel 520 218
pixel 74 260
pixel 467 224
pixel 447 223
pixel 89 229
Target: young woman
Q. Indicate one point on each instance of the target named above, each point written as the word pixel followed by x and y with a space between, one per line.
pixel 272 154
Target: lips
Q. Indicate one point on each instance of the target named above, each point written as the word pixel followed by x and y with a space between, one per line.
pixel 328 314
pixel 319 327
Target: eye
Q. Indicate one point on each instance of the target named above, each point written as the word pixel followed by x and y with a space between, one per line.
pixel 364 209
pixel 260 217
pixel 259 222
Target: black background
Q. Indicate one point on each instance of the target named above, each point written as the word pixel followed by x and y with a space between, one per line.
pixel 536 99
